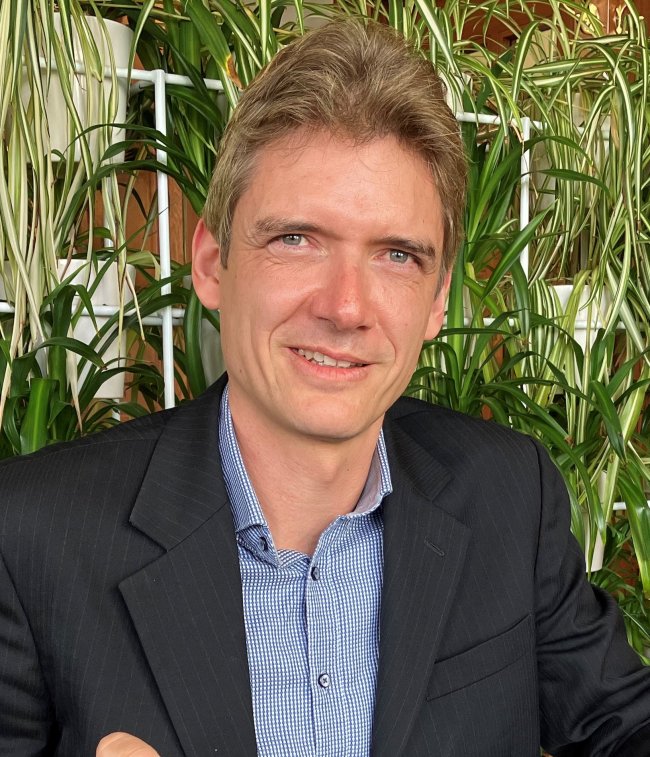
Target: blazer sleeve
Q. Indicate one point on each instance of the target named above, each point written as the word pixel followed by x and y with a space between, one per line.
pixel 594 691
pixel 26 716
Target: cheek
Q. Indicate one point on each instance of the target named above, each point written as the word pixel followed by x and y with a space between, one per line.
pixel 286 301
pixel 407 334
pixel 406 315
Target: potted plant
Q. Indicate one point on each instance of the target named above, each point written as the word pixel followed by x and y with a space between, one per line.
pixel 49 204
pixel 510 351
pixel 520 355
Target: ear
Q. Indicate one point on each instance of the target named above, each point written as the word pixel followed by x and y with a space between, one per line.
pixel 437 313
pixel 206 267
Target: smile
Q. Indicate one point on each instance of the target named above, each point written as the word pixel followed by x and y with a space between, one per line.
pixel 320 359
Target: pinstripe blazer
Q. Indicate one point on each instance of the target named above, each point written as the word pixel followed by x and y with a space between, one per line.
pixel 121 605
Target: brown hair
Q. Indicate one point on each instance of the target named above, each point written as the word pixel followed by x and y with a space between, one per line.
pixel 362 82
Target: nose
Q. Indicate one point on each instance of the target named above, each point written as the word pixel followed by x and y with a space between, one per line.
pixel 344 295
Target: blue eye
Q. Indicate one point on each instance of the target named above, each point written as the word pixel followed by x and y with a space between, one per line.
pixel 292 240
pixel 399 256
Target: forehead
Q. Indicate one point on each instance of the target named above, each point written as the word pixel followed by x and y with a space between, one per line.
pixel 376 185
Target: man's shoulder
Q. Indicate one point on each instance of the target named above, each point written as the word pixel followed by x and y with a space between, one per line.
pixel 415 416
pixel 123 438
pixel 92 475
pixel 102 473
pixel 142 430
pixel 456 439
pixel 495 476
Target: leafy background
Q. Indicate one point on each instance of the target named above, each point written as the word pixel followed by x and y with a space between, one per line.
pixel 569 91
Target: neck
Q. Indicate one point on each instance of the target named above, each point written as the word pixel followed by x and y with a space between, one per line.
pixel 303 484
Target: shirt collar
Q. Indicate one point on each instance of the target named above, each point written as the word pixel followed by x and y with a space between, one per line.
pixel 246 508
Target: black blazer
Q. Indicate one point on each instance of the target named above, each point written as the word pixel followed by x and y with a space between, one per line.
pixel 121 604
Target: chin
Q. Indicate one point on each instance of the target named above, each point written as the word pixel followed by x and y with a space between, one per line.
pixel 332 418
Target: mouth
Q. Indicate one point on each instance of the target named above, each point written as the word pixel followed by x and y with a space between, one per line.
pixel 319 358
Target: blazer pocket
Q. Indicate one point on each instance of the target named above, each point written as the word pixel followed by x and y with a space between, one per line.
pixel 482 661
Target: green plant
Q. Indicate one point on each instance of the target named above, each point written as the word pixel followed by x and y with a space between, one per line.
pixel 216 40
pixel 49 207
pixel 510 351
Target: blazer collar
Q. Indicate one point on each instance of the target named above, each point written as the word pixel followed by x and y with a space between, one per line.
pixel 183 486
pixel 424 550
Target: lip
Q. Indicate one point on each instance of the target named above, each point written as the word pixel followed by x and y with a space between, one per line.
pixel 328 373
pixel 347 357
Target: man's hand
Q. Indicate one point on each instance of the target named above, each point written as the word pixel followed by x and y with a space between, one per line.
pixel 124 745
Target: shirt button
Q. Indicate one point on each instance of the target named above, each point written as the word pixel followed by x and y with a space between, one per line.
pixel 264 543
pixel 323 680
pixel 315 573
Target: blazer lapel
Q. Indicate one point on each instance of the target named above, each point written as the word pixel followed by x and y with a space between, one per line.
pixel 424 549
pixel 187 605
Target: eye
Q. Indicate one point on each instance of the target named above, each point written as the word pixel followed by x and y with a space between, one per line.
pixel 292 240
pixel 399 256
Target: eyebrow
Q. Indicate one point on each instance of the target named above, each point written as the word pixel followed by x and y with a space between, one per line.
pixel 279 226
pixel 416 246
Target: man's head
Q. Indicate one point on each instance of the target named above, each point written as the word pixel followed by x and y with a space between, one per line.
pixel 357 82
pixel 336 205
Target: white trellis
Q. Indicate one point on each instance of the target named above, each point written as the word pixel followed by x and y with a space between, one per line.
pixel 169 317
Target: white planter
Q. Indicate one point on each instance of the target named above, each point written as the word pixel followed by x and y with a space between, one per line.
pixel 542 160
pixel 87 95
pixel 468 312
pixel 107 293
pixel 590 317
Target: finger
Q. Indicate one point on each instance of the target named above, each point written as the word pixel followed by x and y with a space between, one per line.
pixel 124 745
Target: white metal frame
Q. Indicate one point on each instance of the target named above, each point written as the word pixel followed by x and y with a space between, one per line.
pixel 170 317
pixel 160 79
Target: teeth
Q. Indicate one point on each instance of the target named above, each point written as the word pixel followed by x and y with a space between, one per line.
pixel 318 357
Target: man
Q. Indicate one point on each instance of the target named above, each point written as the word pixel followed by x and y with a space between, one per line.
pixel 299 562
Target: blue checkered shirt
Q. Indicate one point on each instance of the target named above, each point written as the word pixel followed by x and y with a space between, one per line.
pixel 312 624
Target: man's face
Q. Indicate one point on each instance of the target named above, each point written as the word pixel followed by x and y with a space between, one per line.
pixel 331 286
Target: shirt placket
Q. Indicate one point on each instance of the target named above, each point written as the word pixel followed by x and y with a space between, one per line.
pixel 323 616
